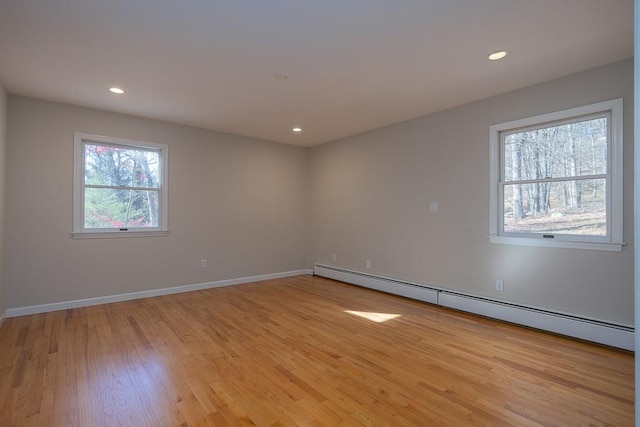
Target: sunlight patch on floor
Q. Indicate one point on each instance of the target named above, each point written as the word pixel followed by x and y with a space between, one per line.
pixel 374 317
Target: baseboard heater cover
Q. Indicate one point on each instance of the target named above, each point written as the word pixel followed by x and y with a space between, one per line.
pixel 384 284
pixel 611 334
pixel 573 326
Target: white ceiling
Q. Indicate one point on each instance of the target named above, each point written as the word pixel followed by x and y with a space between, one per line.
pixel 352 65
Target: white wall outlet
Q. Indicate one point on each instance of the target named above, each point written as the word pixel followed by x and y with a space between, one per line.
pixel 434 207
pixel 499 285
pixel 368 264
pixel 334 257
pixel 203 263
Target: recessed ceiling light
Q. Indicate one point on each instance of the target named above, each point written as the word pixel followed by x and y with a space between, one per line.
pixel 297 129
pixel 497 55
pixel 116 90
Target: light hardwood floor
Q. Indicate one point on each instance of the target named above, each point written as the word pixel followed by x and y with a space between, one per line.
pixel 288 352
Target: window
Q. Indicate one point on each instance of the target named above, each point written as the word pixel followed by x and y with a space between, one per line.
pixel 120 187
pixel 556 179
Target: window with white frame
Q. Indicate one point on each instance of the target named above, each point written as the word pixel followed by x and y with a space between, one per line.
pixel 120 187
pixel 556 179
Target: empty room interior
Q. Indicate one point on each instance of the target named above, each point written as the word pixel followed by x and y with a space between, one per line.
pixel 317 213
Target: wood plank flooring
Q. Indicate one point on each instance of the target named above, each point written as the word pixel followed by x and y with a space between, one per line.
pixel 287 352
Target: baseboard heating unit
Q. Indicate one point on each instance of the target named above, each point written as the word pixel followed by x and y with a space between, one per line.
pixel 611 334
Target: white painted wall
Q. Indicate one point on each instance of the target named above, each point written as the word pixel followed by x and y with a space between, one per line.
pixel 370 197
pixel 238 202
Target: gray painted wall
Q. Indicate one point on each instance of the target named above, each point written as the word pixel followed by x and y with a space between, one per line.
pixel 253 207
pixel 3 184
pixel 637 192
pixel 370 197
pixel 238 202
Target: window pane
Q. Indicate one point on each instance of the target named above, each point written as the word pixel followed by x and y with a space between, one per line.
pixel 120 208
pixel 118 166
pixel 566 207
pixel 568 150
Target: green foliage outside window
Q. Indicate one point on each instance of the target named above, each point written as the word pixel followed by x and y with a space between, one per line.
pixel 122 186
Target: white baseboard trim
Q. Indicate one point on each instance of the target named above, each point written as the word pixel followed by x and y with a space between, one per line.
pixel 594 330
pixel 45 308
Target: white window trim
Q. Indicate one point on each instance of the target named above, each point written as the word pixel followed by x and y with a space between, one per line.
pixel 78 230
pixel 614 240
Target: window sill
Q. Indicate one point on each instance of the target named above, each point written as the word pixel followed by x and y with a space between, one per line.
pixel 540 242
pixel 118 234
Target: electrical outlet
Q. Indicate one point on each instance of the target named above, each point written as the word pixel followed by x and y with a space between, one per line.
pixel 500 285
pixel 368 264
pixel 203 263
pixel 334 257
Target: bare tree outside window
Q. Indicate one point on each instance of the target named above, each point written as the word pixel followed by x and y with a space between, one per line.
pixel 555 178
